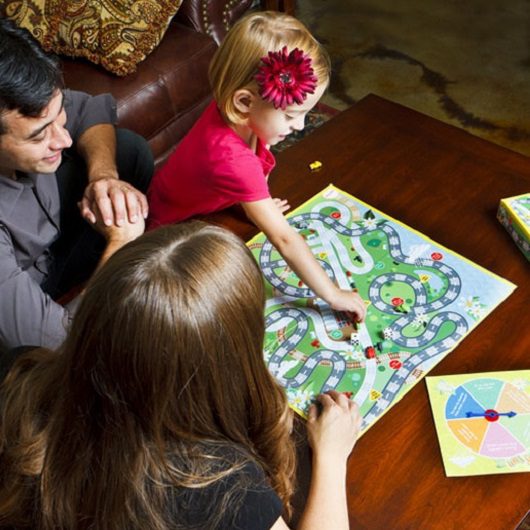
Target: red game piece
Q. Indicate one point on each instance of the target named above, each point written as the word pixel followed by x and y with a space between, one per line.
pixel 369 352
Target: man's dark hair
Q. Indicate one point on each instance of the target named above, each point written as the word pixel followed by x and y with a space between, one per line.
pixel 29 76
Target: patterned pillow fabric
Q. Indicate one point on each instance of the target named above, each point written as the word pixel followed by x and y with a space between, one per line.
pixel 118 34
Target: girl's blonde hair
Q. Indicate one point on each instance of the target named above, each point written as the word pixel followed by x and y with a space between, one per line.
pixel 237 60
pixel 162 369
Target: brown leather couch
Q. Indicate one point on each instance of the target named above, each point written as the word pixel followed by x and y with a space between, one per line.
pixel 167 93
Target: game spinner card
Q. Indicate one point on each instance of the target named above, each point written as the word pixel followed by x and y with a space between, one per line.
pixel 482 421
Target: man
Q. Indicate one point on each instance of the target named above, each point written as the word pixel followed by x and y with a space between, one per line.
pixel 62 163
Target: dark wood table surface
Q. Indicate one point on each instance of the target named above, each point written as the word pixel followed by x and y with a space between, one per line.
pixel 447 184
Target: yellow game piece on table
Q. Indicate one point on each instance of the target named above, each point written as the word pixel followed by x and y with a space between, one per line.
pixel 316 165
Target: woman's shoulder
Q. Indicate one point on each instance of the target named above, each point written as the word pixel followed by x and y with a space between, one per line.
pixel 239 497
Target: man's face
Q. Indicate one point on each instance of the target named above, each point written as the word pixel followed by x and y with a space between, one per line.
pixel 34 145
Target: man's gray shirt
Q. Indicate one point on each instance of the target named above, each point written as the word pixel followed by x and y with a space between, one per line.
pixel 29 224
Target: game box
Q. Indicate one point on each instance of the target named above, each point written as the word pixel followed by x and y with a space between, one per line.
pixel 514 214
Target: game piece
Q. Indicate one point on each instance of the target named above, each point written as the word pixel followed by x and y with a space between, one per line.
pixel 452 298
pixel 379 346
pixel 315 166
pixel 369 352
pixel 388 333
pixel 482 421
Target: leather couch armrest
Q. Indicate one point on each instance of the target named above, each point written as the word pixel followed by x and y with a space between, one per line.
pixel 213 17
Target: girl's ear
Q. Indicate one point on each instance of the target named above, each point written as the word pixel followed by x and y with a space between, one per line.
pixel 242 100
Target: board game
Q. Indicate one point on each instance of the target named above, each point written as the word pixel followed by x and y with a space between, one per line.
pixel 482 421
pixel 422 301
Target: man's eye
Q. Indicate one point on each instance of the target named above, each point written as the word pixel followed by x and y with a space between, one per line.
pixel 39 137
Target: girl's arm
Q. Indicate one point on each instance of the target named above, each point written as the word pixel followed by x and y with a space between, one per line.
pixel 268 218
pixel 332 435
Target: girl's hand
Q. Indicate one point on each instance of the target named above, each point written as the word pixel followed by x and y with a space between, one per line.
pixel 282 205
pixel 119 235
pixel 333 433
pixel 349 302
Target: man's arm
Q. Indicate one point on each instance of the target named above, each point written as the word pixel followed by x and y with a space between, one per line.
pixel 28 316
pixel 90 121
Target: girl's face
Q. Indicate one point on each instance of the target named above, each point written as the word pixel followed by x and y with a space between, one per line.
pixel 272 125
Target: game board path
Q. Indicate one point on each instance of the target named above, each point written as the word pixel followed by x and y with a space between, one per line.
pixel 420 307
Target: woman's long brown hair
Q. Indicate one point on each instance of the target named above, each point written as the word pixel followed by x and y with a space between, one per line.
pixel 163 362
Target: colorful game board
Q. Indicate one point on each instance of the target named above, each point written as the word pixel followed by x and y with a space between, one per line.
pixel 422 301
pixel 482 421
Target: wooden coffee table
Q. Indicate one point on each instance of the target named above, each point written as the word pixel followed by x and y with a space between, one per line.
pixel 447 184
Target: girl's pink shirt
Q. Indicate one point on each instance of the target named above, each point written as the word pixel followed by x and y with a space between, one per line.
pixel 211 169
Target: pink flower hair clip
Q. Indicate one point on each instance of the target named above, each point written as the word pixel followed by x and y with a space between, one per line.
pixel 286 78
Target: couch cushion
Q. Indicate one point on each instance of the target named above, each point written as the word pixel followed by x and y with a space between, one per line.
pixel 118 34
pixel 167 93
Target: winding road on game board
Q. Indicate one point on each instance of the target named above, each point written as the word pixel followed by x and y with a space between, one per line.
pixel 326 237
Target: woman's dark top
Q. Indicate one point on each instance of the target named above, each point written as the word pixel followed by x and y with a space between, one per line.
pixel 254 505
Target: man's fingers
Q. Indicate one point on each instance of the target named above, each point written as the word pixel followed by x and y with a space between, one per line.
pixel 136 205
pixel 86 211
pixel 134 208
pixel 144 205
pixel 105 207
pixel 118 203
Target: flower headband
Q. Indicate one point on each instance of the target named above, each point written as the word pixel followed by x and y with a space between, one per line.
pixel 286 78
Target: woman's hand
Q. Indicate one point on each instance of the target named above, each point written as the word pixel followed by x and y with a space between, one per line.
pixel 333 432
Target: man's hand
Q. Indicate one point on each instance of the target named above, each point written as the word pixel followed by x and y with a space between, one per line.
pixel 114 201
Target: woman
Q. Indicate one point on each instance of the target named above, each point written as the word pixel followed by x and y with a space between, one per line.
pixel 158 411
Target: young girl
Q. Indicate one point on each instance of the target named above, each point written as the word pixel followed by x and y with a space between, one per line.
pixel 268 73
pixel 158 412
